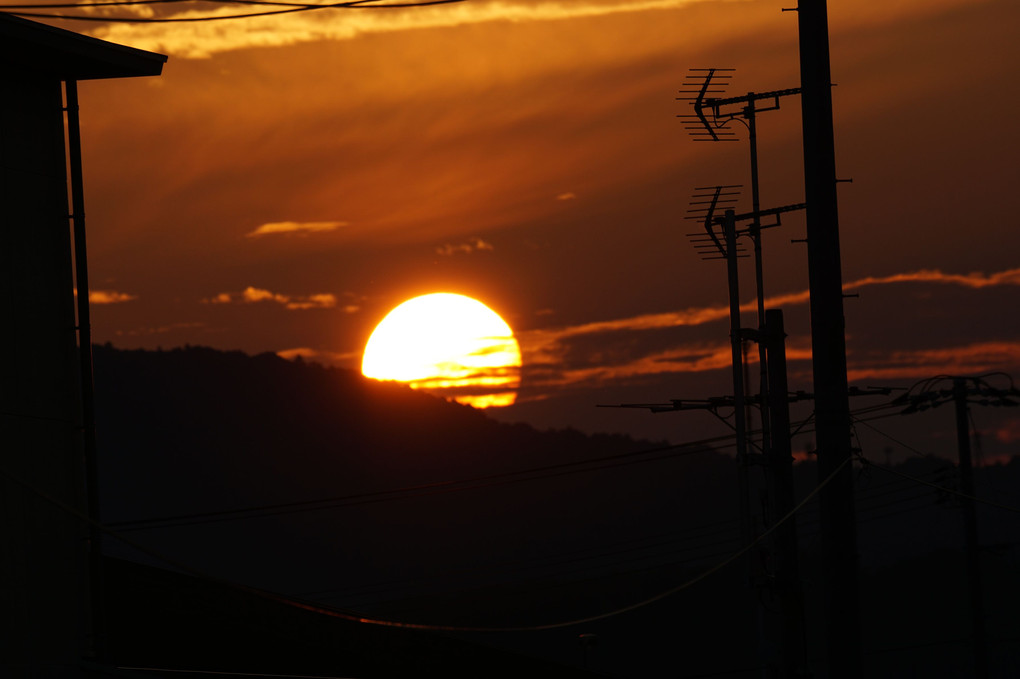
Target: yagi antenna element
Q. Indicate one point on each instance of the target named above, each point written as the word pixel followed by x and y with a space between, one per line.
pixel 706 203
pixel 697 87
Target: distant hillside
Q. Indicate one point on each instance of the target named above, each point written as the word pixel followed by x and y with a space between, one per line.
pixel 203 417
pixel 315 482
pixel 196 430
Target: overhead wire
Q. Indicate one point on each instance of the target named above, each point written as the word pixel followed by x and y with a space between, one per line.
pixel 460 484
pixel 915 479
pixel 714 569
pixel 950 491
pixel 82 5
pixel 640 555
pixel 220 673
pixel 442 487
pixel 581 572
pixel 618 611
pixel 892 438
pixel 435 488
pixel 289 8
pixel 396 623
pixel 538 562
pixel 330 612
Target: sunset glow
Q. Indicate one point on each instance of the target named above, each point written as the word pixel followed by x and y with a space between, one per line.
pixel 303 171
pixel 449 344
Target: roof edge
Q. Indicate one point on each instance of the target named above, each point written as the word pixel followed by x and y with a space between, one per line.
pixel 34 46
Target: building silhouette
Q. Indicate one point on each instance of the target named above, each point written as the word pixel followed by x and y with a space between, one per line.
pixel 44 566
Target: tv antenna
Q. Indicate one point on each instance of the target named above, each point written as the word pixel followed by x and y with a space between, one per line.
pixel 711 121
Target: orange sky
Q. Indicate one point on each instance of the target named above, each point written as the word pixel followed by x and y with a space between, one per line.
pixel 289 180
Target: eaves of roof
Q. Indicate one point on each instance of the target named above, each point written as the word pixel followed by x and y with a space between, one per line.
pixel 33 48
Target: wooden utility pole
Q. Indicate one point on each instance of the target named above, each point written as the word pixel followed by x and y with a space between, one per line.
pixel 786 570
pixel 960 394
pixel 828 345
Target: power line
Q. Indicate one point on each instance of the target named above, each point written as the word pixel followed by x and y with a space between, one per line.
pixel 436 488
pixel 82 5
pixel 589 572
pixel 290 8
pixel 301 605
pixel 552 561
pixel 892 438
pixel 452 486
pixel 915 479
pixel 220 673
pixel 625 609
pixel 943 489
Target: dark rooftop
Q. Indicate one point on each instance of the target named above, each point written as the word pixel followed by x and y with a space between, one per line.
pixel 30 47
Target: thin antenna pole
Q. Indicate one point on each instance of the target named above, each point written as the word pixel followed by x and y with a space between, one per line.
pixel 95 557
pixel 736 343
pixel 838 529
pixel 763 382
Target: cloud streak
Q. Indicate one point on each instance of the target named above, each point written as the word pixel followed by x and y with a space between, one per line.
pixel 253 295
pixel 110 297
pixel 472 245
pixel 541 341
pixel 299 228
pixel 973 358
pixel 320 355
pixel 546 350
pixel 203 39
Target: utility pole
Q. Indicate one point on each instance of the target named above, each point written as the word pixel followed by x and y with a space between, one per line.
pixel 977 613
pixel 828 346
pixel 925 395
pixel 786 570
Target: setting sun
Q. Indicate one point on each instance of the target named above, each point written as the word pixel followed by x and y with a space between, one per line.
pixel 448 344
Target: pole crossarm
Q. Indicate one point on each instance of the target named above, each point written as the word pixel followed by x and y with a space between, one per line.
pixel 708 121
pixel 976 390
pixel 706 204
pixel 716 103
pixel 717 402
pixel 757 215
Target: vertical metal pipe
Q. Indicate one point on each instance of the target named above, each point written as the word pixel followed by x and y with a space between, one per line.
pixel 739 423
pixel 85 360
pixel 970 526
pixel 763 390
pixel 839 567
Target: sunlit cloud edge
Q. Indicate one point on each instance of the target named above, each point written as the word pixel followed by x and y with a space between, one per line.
pixel 253 295
pixel 537 343
pixel 204 39
pixel 299 228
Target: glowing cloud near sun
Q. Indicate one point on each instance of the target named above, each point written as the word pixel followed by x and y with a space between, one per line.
pixel 450 345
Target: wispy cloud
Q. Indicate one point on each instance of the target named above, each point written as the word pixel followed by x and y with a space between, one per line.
pixel 954 360
pixel 203 39
pixel 319 355
pixel 546 350
pixel 109 297
pixel 545 340
pixel 253 295
pixel 701 357
pixel 299 228
pixel 471 245
pixel 974 280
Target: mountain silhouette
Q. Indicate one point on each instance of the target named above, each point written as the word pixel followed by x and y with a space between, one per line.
pixel 317 483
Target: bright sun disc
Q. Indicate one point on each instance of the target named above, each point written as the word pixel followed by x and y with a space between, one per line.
pixel 448 344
